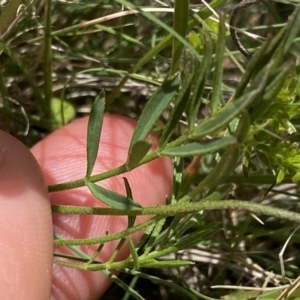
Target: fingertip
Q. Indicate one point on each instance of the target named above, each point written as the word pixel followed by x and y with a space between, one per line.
pixel 26 244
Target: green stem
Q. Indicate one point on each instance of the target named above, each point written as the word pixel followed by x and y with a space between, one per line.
pixel 108 238
pixel 165 211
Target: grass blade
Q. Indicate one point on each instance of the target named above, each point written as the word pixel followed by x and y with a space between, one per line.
pixel 200 81
pixel 293 29
pixel 180 104
pixel 218 73
pixel 180 21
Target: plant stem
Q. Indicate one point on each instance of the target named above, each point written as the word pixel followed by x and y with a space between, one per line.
pixel 164 211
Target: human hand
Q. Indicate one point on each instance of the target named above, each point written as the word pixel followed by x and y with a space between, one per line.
pixel 26 250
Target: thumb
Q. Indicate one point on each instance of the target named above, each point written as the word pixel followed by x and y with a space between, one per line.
pixel 26 227
pixel 62 156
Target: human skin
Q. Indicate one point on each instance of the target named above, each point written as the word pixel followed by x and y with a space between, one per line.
pixel 62 157
pixel 25 225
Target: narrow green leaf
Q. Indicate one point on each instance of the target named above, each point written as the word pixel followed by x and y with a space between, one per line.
pixel 296 178
pixel 280 175
pixel 225 115
pixel 138 151
pixel 264 159
pixel 152 111
pixel 180 21
pixel 127 289
pixel 177 177
pixel 183 292
pixel 259 61
pixel 128 188
pixel 120 35
pixel 247 295
pixel 155 106
pixel 94 132
pixel 145 237
pixel 154 237
pixel 111 198
pixel 246 163
pixel 134 255
pixel 116 251
pixel 152 263
pixel 95 255
pixel 200 148
pixel 243 127
pixel 222 170
pixel 293 29
pixel 181 102
pixel 270 93
pixel 278 81
pixel 218 70
pixel 131 219
pixel 275 49
pixel 227 163
pixel 199 235
pixel 189 224
pixel 251 68
pixel 261 79
pixel 200 82
pixel 267 53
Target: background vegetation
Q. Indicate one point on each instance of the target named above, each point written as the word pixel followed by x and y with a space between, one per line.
pixel 230 123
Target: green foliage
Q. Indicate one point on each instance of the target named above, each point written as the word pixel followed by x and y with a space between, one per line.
pixel 275 128
pixel 111 198
pixel 154 108
pixel 231 140
pixel 200 148
pixel 94 132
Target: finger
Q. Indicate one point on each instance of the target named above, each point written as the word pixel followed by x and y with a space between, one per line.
pixel 26 241
pixel 62 156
